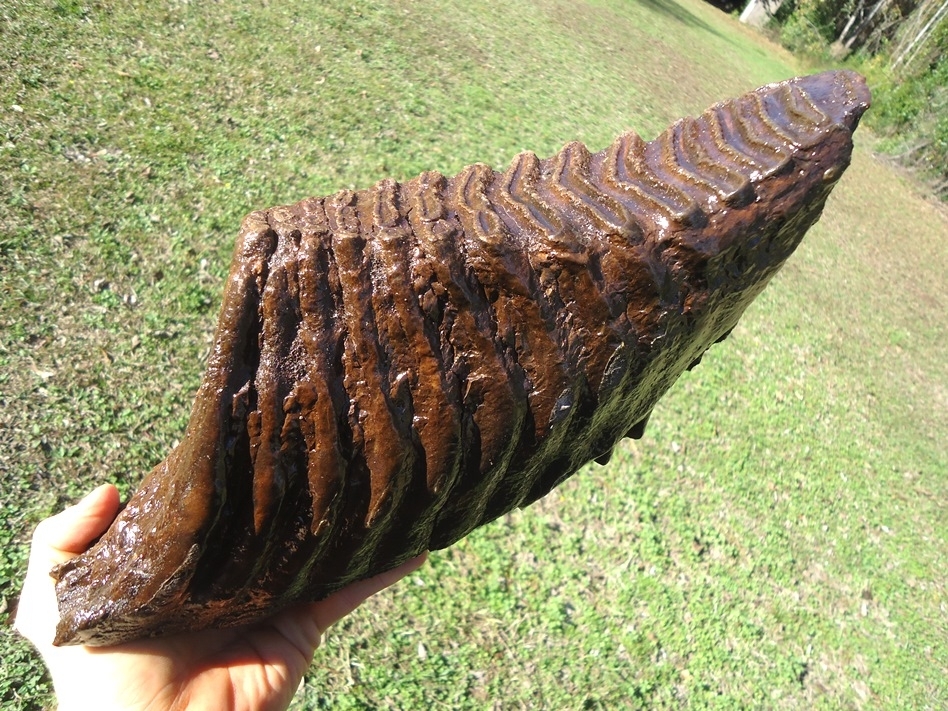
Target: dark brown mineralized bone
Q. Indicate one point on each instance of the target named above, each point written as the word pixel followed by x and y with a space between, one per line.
pixel 397 366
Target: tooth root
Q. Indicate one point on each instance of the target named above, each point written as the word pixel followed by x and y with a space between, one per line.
pixel 638 429
pixel 605 458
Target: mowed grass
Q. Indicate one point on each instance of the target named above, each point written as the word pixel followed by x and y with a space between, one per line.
pixel 777 539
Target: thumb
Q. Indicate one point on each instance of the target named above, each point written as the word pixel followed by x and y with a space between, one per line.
pixel 69 533
pixel 56 540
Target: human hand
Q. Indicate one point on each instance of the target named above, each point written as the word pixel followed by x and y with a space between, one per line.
pixel 253 667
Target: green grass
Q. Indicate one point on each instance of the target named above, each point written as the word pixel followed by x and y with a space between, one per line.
pixel 778 538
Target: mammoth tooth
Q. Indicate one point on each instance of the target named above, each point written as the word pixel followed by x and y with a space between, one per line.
pixel 394 367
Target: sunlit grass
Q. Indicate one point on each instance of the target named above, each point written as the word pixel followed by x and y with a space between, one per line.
pixel 776 540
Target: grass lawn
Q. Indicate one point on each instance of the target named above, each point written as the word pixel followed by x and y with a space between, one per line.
pixel 779 538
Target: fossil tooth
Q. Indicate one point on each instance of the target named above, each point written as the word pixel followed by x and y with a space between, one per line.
pixel 396 366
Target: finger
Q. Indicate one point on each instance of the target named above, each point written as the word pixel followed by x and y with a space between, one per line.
pixel 304 625
pixel 329 611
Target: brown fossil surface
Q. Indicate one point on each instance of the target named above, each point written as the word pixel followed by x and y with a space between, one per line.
pixel 394 367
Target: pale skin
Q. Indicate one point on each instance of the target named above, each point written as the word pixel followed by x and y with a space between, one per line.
pixel 255 667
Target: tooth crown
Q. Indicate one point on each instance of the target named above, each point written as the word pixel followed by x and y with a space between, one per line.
pixel 396 366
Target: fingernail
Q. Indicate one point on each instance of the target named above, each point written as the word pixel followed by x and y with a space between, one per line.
pixel 91 495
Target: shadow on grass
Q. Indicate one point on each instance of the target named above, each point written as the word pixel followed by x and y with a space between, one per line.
pixel 672 9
